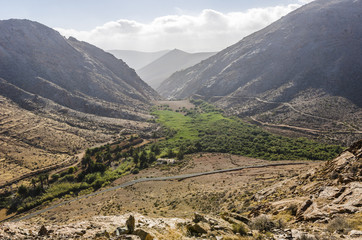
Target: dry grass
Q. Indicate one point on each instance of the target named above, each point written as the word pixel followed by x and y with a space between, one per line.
pixel 355 221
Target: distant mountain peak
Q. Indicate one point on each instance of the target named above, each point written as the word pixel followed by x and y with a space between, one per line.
pixel 137 59
pixel 175 60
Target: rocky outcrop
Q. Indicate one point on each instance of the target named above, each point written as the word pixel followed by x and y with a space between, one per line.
pixel 143 235
pixel 130 224
pixel 332 189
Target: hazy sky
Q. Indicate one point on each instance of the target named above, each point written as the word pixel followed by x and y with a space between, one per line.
pixel 151 25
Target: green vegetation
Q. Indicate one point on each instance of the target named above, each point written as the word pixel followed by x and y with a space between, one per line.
pixel 205 129
pixel 99 167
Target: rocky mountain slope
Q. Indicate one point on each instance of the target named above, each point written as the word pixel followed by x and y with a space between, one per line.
pixel 159 70
pixel 73 74
pixel 58 96
pixel 310 59
pixel 137 59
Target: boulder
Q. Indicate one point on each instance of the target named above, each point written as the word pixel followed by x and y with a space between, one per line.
pixel 355 234
pixel 198 218
pixel 128 237
pixel 195 230
pixel 130 223
pixel 43 231
pixel 143 234
pixel 240 218
pixel 121 230
pixel 303 208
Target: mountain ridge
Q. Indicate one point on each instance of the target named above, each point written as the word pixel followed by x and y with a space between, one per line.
pixel 253 46
pixel 313 51
pixel 59 96
pixel 137 59
pixel 72 73
pixel 175 60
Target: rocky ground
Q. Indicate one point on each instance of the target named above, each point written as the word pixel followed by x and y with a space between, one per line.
pixel 311 201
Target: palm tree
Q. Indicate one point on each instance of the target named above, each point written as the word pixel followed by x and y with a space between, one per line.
pixel 33 182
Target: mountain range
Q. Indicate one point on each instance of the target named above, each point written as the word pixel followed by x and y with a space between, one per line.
pixel 155 67
pixel 310 59
pixel 160 69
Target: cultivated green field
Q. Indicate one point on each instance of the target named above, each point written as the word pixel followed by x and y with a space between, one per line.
pixel 205 129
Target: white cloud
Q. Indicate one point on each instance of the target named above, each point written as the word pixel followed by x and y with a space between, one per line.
pixel 305 1
pixel 209 31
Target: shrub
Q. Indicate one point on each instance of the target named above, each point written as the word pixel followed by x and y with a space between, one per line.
pixel 263 223
pixel 292 209
pixel 180 155
pixel 71 170
pixel 98 183
pixel 170 153
pixel 90 178
pixel 22 190
pixel 69 178
pixel 240 228
pixel 54 177
pixel 135 171
pixel 306 237
pixel 338 224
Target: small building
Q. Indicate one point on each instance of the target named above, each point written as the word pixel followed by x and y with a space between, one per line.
pixel 165 161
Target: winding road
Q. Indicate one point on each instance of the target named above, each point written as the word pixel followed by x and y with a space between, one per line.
pixel 355 130
pixel 130 183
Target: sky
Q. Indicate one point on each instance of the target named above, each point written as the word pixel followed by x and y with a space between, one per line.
pixel 153 25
